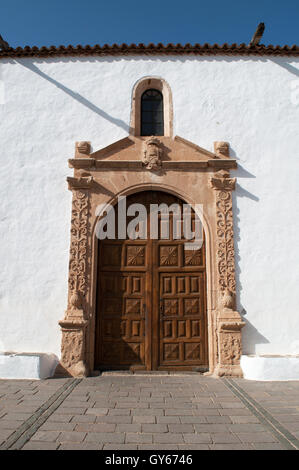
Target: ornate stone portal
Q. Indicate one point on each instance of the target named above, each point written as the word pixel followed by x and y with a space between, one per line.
pixel 193 174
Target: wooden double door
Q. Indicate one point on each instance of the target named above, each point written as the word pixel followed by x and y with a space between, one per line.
pixel 151 299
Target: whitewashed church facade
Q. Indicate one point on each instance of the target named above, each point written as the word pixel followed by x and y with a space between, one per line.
pixel 73 137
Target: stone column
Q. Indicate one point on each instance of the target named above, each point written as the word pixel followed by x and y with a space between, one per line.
pixel 75 322
pixel 229 322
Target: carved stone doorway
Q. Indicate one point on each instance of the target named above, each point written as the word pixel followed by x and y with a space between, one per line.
pixel 151 297
pixel 187 172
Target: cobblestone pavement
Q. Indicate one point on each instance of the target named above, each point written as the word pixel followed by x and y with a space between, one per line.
pixel 150 412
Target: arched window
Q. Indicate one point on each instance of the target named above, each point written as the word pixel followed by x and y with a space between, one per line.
pixel 152 115
pixel 151 111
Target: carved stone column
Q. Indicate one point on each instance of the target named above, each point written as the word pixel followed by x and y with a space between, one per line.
pixel 73 326
pixel 229 322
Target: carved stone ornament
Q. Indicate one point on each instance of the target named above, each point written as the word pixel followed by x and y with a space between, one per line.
pixel 222 181
pixel 72 362
pixel 225 231
pixel 152 153
pixel 228 299
pixel 229 346
pixel 77 264
pixel 221 149
pixel 75 304
pixel 82 149
pixel 83 182
pixel 229 323
pixel 74 323
pixel 230 349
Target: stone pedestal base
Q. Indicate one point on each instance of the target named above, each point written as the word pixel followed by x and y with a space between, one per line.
pixel 229 327
pixel 72 363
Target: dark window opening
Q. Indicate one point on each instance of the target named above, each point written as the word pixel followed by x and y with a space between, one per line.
pixel 152 119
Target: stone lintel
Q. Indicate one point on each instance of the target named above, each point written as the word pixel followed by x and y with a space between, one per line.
pixel 91 163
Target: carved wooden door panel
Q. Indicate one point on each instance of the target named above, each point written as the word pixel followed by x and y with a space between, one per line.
pixel 179 316
pixel 151 308
pixel 182 326
pixel 121 304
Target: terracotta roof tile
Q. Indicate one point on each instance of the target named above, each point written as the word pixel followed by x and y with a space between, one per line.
pixel 150 49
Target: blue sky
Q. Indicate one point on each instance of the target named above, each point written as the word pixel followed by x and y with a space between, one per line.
pixel 55 22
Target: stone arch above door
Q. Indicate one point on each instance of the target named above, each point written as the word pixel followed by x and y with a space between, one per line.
pixel 174 165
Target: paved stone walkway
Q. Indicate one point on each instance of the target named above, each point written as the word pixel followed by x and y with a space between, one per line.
pixel 150 412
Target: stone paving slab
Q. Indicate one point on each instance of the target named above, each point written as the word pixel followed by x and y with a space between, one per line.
pixel 279 399
pixel 150 412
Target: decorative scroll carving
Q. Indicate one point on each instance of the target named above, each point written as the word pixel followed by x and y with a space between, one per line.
pixel 78 250
pixel 225 232
pixel 152 153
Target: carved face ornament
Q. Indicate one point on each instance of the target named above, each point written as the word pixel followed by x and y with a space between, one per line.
pixel 152 154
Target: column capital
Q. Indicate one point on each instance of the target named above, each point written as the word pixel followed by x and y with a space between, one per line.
pixel 222 181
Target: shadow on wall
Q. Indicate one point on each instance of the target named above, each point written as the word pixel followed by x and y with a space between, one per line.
pixel 290 68
pixel 77 97
pixel 239 192
pixel 253 337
